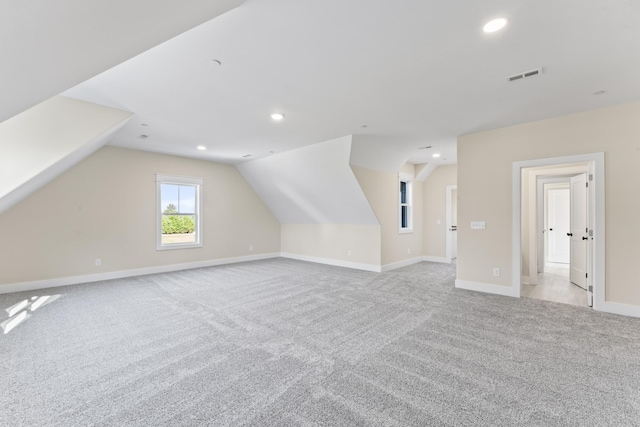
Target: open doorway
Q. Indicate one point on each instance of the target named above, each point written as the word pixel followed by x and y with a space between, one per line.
pixel 561 207
pixel 539 209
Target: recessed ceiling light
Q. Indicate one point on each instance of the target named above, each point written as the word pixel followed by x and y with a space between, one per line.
pixel 364 126
pixel 277 116
pixel 201 147
pixel 436 155
pixel 494 25
pixel 247 155
pixel 144 124
pixel 424 148
pixel 216 62
pixel 143 136
pixel 600 92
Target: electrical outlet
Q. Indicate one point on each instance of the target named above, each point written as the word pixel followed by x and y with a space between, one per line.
pixel 250 247
pixel 408 250
pixel 98 262
pixel 496 271
pixel 349 252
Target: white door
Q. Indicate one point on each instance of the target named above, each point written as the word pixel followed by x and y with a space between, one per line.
pixel 558 219
pixel 454 223
pixel 578 231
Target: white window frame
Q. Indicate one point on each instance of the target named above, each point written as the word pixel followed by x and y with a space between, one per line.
pixel 409 204
pixel 179 180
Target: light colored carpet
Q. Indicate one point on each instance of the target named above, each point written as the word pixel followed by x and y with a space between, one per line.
pixel 286 343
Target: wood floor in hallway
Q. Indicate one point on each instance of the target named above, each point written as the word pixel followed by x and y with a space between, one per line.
pixel 554 285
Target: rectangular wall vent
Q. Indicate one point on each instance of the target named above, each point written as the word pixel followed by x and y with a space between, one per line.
pixel 525 75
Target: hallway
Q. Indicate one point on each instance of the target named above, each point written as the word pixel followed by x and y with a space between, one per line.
pixel 554 285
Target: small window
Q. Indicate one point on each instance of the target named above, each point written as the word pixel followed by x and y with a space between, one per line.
pixel 405 206
pixel 179 201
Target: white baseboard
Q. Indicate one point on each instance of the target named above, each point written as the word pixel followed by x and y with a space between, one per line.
pixel 335 262
pixel 606 307
pixel 400 264
pixel 618 308
pixel 436 259
pixel 74 280
pixel 486 287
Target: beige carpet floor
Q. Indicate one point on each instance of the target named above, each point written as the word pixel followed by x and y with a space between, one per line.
pixel 287 343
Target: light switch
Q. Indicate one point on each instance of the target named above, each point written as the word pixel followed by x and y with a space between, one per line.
pixel 477 225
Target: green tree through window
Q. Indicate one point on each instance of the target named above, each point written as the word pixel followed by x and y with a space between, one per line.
pixel 179 207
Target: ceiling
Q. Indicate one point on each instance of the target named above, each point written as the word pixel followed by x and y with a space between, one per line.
pixel 411 74
pixel 49 46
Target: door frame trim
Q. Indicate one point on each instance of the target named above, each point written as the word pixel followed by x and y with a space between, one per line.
pixel 597 222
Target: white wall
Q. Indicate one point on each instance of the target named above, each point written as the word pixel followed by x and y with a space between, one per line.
pixel 324 213
pixel 381 189
pixel 485 191
pixel 356 246
pixel 105 207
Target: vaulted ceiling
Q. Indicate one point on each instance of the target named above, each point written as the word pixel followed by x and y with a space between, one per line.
pixel 406 74
pixel 49 46
pixel 411 74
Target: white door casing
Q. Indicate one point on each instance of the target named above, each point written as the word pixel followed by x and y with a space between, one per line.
pixel 597 227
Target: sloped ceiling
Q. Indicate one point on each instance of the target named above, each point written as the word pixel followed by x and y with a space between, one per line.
pixel 369 151
pixel 41 143
pixel 311 185
pixel 413 73
pixel 49 46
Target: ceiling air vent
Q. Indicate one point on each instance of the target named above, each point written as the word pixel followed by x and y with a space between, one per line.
pixel 525 75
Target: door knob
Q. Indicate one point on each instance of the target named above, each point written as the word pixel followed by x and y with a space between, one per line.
pixel 585 238
pixel 569 234
pixel 551 229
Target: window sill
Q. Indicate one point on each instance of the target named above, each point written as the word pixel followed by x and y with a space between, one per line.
pixel 179 246
pixel 405 231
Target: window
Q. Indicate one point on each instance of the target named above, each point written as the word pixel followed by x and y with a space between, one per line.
pixel 178 209
pixel 405 206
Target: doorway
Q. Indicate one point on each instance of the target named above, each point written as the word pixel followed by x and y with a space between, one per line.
pixel 554 220
pixel 560 191
pixel 531 234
